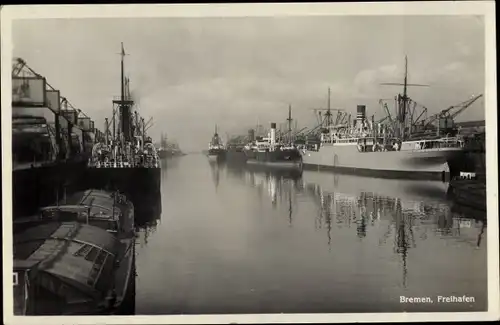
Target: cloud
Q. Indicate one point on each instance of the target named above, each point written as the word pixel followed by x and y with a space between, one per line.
pixel 367 82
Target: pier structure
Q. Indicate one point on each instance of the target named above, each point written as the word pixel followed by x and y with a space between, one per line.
pixel 51 140
pixel 38 108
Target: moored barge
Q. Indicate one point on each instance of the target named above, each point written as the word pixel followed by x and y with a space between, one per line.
pixel 79 255
pixel 68 268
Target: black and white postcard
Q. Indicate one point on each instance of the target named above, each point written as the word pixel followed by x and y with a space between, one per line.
pixel 249 163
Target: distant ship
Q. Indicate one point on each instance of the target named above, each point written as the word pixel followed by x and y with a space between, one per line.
pixel 235 148
pixel 268 152
pixel 162 149
pixel 216 149
pixel 168 150
pixel 404 148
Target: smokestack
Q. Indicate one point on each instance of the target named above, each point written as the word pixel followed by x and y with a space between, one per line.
pixel 106 129
pixel 251 135
pixel 361 113
pixel 360 116
pixel 273 134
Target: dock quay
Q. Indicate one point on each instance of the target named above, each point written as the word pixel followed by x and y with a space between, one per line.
pixel 469 189
pixel 51 140
pixel 471 193
pixel 36 185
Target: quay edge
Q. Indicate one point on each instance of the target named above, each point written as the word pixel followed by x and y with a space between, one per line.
pixel 33 187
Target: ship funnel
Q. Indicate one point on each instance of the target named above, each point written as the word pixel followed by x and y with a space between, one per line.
pixel 360 116
pixel 273 134
pixel 251 135
pixel 361 113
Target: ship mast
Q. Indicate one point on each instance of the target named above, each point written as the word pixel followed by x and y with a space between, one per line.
pixel 122 78
pixel 329 111
pixel 289 119
pixel 402 101
pixel 125 102
pixel 215 138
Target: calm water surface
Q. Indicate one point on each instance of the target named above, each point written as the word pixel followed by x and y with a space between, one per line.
pixel 230 240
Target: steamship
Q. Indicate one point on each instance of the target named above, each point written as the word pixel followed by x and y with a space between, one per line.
pixel 267 152
pixel 127 158
pixel 163 148
pixel 168 149
pixel 402 148
pixel 216 150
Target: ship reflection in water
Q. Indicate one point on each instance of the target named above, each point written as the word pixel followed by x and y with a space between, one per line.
pixel 234 240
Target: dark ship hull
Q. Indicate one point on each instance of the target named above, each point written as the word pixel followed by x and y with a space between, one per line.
pixel 290 159
pixel 236 155
pixel 216 155
pixel 167 153
pixel 132 181
pixel 163 154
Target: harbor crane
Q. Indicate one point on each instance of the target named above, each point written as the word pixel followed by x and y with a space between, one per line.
pixel 446 113
pixel 387 112
pixel 327 117
pixel 18 66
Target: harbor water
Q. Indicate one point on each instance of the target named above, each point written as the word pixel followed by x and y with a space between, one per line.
pixel 232 240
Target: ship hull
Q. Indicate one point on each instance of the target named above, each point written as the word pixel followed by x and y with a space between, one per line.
pixel 236 157
pixel 213 158
pixel 422 164
pixel 163 154
pixel 278 159
pixel 134 182
pixel 216 155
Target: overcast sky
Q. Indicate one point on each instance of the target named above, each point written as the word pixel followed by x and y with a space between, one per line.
pixel 191 73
